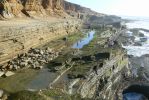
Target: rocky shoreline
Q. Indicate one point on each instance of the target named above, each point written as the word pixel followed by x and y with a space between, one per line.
pixel 135 41
pixel 44 56
pixel 31 70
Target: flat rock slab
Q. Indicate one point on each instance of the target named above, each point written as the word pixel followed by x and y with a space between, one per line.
pixel 9 73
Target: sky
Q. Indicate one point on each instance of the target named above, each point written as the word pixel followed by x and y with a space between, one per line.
pixel 117 7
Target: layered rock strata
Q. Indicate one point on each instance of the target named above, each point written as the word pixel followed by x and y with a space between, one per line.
pixel 15 40
pixel 10 8
pixel 31 8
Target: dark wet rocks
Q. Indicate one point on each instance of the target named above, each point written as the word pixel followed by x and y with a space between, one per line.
pixel 60 65
pixel 138 43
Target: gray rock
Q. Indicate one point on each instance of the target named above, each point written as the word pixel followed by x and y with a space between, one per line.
pixel 37 63
pixel 15 67
pixel 37 51
pixel 30 62
pixel 42 61
pixel 49 50
pixel 36 55
pixel 56 54
pixel 1 93
pixel 1 73
pixel 39 67
pixel 23 64
pixel 33 66
pixel 41 52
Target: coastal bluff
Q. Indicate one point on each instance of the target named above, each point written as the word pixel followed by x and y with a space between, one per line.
pixel 29 23
pixel 19 36
pixel 38 60
pixel 25 24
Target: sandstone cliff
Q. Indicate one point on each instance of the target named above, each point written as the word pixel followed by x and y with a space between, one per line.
pixel 33 8
pixel 10 8
pixel 17 36
pixel 44 7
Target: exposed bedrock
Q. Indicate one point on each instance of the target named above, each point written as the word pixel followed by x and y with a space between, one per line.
pixel 15 40
pixel 104 85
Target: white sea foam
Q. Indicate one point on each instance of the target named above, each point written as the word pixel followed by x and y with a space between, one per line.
pixel 138 51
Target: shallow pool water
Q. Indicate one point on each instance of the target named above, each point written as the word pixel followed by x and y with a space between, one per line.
pixel 42 80
pixel 133 96
pixel 136 92
pixel 84 41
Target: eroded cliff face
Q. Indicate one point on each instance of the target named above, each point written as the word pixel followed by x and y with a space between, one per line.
pixel 44 7
pixel 31 8
pixel 19 36
pixel 53 6
pixel 10 8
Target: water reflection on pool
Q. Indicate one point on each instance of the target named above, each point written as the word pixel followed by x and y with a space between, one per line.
pixel 81 43
pixel 133 96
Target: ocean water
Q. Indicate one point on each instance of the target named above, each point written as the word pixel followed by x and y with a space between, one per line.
pixel 139 22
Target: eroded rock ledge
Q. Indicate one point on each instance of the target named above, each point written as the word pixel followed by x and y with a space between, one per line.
pixel 16 37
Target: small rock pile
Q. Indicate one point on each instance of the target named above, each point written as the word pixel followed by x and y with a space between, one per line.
pixel 35 58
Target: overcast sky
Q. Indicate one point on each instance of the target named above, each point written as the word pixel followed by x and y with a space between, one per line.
pixel 117 7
